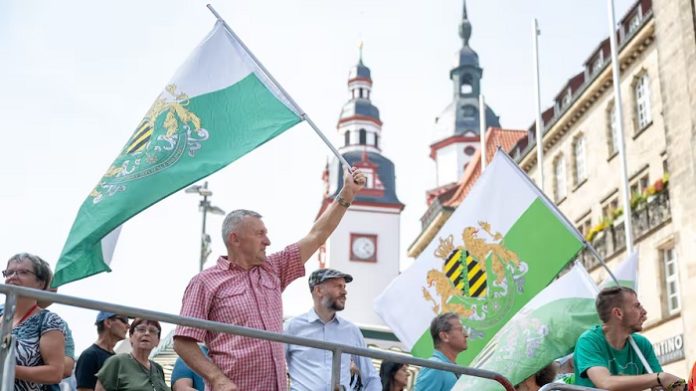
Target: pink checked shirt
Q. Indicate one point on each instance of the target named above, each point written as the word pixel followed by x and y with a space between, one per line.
pixel 251 298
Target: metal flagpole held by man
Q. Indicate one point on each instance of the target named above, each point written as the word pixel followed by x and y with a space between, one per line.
pixel 537 93
pixel 482 130
pixel 303 115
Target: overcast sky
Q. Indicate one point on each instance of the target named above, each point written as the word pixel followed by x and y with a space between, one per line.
pixel 77 77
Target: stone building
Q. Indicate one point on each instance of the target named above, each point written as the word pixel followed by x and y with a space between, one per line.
pixel 582 169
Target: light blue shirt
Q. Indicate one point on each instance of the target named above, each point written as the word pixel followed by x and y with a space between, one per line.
pixel 430 379
pixel 310 369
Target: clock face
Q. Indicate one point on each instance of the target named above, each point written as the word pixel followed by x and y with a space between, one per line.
pixel 364 247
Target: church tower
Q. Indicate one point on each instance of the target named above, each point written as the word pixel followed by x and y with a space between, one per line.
pixel 366 243
pixel 457 128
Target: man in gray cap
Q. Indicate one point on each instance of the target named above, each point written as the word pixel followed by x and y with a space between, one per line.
pixel 309 368
pixel 111 328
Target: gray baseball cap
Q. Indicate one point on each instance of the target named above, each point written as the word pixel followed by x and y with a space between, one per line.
pixel 321 275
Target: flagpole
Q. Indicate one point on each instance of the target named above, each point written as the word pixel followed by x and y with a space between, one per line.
pixel 482 130
pixel 301 112
pixel 615 66
pixel 539 124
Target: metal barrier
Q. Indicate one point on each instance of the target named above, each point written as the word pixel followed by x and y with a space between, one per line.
pixel 568 387
pixel 7 379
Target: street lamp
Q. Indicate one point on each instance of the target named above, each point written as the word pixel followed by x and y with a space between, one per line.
pixel 205 207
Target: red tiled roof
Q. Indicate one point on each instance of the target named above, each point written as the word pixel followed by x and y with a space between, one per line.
pixel 495 137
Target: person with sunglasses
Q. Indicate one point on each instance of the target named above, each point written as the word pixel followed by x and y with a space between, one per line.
pixel 135 371
pixel 38 333
pixel 111 328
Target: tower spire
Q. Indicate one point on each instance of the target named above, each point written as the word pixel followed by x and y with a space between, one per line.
pixel 465 26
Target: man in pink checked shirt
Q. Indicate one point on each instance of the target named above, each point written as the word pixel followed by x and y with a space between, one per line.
pixel 244 288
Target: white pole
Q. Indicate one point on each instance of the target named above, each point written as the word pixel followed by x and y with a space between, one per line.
pixel 539 123
pixel 619 128
pixel 482 130
pixel 615 68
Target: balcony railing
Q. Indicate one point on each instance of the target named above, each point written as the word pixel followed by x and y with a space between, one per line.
pixel 645 218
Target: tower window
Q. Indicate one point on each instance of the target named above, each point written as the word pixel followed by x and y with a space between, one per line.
pixel 363 137
pixel 346 137
pixel 466 88
pixel 469 150
pixel 361 92
pixel 377 142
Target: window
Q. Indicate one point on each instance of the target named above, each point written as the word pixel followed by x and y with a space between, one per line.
pixel 612 130
pixel 585 226
pixel 469 150
pixel 642 96
pixel 567 98
pixel 634 22
pixel 597 63
pixel 609 207
pixel 376 141
pixel 466 89
pixel 559 178
pixel 346 138
pixel 638 187
pixel 363 137
pixel 671 280
pixel 360 92
pixel 579 163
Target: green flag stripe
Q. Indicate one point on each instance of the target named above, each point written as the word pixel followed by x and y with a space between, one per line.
pixel 539 239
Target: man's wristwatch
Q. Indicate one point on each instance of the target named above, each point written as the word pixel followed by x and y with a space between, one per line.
pixel 342 202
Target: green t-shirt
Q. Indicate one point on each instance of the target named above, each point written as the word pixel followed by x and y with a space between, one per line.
pixel 123 372
pixel 593 350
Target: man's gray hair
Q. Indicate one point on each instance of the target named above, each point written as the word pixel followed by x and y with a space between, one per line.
pixel 42 270
pixel 441 323
pixel 233 219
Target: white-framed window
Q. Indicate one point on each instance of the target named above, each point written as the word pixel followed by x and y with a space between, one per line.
pixel 634 22
pixel 559 178
pixel 597 63
pixel 567 98
pixel 579 161
pixel 642 95
pixel 612 129
pixel 671 281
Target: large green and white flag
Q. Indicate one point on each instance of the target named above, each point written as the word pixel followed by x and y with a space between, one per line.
pixel 501 246
pixel 545 329
pixel 219 106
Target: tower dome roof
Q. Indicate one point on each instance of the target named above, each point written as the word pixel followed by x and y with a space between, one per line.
pixel 361 107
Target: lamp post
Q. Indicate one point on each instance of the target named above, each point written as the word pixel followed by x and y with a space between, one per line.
pixel 205 207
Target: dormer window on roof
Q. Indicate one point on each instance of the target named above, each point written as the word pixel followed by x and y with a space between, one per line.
pixel 597 63
pixel 567 98
pixel 634 21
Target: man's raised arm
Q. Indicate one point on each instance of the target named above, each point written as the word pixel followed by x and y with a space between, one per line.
pixel 353 182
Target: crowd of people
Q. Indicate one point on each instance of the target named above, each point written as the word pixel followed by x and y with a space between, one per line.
pixel 244 288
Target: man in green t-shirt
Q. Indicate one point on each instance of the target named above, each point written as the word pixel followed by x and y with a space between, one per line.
pixel 604 357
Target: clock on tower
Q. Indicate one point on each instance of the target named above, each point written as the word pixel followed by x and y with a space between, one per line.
pixel 363 247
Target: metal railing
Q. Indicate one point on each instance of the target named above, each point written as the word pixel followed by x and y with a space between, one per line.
pixel 568 387
pixel 12 292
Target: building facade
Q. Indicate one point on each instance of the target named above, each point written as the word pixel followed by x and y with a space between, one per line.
pixel 582 169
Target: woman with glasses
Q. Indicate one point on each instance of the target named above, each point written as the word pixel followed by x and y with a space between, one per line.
pixel 135 371
pixel 38 333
